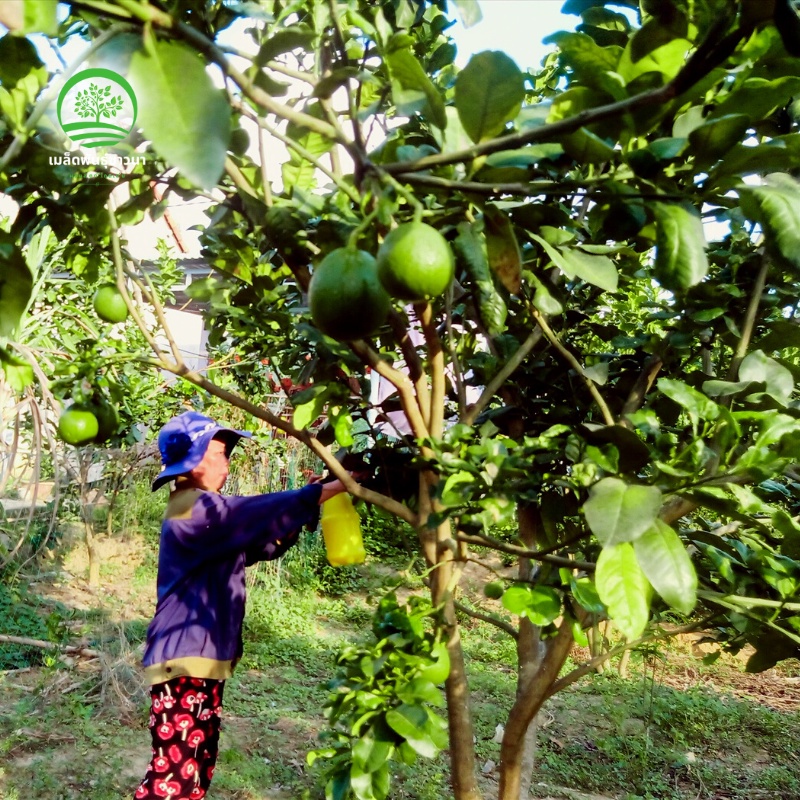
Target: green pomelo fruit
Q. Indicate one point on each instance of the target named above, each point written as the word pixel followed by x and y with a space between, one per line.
pixel 109 304
pixel 240 141
pixel 494 590
pixel 77 426
pixel 345 296
pixel 415 262
pixel 107 420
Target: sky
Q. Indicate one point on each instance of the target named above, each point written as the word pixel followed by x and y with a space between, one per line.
pixel 515 26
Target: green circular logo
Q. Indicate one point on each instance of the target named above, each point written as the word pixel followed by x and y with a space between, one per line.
pixel 97 108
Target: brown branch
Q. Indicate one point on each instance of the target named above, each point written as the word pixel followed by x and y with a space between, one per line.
pixel 400 381
pixel 502 375
pixel 492 620
pixel 643 384
pixel 708 55
pixel 43 645
pixel 436 366
pixel 416 371
pixel 589 666
pixel 749 319
pixel 568 356
pixel 524 552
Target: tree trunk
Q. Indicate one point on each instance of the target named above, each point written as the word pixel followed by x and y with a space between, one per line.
pixel 88 526
pixel 91 551
pixel 459 715
pixel 529 646
pixel 539 666
pixel 526 706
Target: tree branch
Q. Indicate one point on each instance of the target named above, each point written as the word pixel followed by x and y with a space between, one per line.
pixel 43 645
pixel 608 417
pixel 644 382
pixel 524 552
pixel 492 620
pixel 436 366
pixel 707 56
pixel 584 669
pixel 749 319
pixel 502 375
pixel 400 381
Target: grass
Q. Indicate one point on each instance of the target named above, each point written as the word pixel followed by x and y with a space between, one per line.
pixel 675 730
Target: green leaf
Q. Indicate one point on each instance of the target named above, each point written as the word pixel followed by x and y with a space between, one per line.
pixel 696 403
pixel 597 270
pixel 16 286
pixel 758 97
pixel 297 172
pixel 18 57
pixel 540 604
pixel 585 592
pixel 372 750
pixel 587 147
pixel 469 11
pixel 470 249
pixel 666 60
pixel 543 298
pixel 488 93
pixel 502 248
pixel 664 560
pixel 715 138
pixel 338 787
pixel 421 690
pixel 725 388
pixel 526 156
pixel 186 118
pixel 588 61
pixel 308 411
pixel 759 367
pixel 776 207
pixel 417 93
pixel 680 260
pixel 620 512
pixel 412 722
pixel 19 373
pixel 624 589
pixel 40 16
pixel 284 41
pixel 342 422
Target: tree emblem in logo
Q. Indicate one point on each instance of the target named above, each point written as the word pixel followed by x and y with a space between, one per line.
pixel 97 107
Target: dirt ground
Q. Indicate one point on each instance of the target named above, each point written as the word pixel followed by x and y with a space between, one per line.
pixel 119 601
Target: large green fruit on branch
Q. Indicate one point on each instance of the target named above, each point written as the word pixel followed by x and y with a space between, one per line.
pixel 108 421
pixel 415 262
pixel 345 297
pixel 109 304
pixel 77 426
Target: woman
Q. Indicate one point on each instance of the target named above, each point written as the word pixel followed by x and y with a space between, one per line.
pixel 195 638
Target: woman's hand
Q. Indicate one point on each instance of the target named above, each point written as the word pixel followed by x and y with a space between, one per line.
pixel 331 488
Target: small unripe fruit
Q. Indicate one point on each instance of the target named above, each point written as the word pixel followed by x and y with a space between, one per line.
pixel 109 304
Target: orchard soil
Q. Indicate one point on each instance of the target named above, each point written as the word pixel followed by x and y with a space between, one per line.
pixel 675 728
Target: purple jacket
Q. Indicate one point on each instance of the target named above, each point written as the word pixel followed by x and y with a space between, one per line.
pixel 206 542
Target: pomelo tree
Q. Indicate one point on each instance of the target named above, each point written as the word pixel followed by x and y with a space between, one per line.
pixel 605 391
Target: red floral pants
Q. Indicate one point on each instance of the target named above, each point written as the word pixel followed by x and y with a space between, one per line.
pixel 184 724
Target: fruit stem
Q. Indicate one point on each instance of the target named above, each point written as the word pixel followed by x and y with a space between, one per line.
pixel 419 209
pixel 352 241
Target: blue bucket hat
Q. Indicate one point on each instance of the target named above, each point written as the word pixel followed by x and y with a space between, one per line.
pixel 183 442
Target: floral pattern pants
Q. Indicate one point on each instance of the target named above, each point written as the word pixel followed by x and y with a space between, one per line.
pixel 184 724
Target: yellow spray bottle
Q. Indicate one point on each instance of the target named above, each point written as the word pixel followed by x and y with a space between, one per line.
pixel 341 530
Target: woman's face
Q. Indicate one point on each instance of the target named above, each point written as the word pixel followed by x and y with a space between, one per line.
pixel 212 472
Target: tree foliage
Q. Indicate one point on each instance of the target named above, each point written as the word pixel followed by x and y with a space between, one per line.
pixel 607 389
